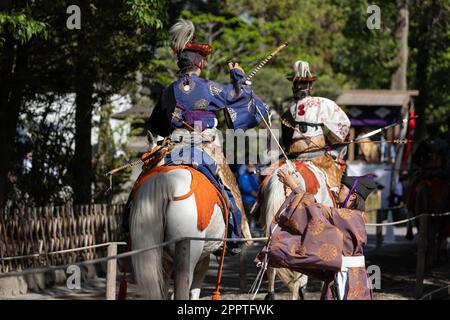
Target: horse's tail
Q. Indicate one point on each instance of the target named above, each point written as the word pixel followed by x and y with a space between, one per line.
pixel 273 195
pixel 147 229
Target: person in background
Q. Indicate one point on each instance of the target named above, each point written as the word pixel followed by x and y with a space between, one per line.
pixel 248 182
pixel 192 101
pixel 323 242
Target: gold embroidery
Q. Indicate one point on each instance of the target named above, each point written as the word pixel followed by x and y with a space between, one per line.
pixel 316 226
pixel 327 252
pixel 357 291
pixel 354 272
pixel 327 211
pixel 345 213
pixel 201 104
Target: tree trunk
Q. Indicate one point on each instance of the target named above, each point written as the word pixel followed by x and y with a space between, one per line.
pixel 82 161
pixel 422 65
pixel 398 81
pixel 12 72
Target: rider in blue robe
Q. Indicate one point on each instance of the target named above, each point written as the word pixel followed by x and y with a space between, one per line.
pixel 195 101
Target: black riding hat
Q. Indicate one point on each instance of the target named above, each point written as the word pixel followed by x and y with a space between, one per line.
pixel 364 185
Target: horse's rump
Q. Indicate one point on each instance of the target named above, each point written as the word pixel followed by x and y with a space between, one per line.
pixel 206 194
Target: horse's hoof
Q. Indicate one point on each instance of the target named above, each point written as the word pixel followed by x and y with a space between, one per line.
pixel 269 296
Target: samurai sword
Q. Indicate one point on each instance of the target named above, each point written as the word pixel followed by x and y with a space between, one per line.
pixel 263 63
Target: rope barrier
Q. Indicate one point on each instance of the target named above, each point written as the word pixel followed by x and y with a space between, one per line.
pixel 409 219
pixel 433 292
pixel 129 253
pixel 157 246
pixel 35 255
pixel 122 255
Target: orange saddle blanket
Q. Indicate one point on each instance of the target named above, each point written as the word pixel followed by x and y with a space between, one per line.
pixel 205 193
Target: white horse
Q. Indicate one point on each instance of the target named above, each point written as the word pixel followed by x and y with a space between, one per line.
pixel 157 217
pixel 326 170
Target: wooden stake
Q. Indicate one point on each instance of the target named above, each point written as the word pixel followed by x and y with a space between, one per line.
pixel 111 270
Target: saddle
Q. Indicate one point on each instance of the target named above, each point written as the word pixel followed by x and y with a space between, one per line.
pixel 206 194
pixel 155 157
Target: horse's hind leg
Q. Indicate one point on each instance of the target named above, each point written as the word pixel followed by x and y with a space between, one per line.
pixel 199 277
pixel 271 274
pixel 181 221
pixel 167 263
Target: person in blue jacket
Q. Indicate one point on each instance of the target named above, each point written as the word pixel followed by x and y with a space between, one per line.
pixel 194 100
pixel 248 184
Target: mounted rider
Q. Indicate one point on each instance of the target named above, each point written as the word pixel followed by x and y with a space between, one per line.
pixel 312 124
pixel 191 102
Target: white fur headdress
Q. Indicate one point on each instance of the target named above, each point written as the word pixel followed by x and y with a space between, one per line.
pixel 301 72
pixel 183 36
pixel 182 33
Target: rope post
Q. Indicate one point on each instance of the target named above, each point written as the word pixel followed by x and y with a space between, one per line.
pixel 181 269
pixel 421 255
pixel 111 272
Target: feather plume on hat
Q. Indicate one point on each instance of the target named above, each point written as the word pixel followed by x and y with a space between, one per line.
pixel 182 33
pixel 301 72
pixel 183 36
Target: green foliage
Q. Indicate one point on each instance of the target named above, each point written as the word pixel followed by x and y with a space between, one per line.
pixel 147 13
pixel 42 153
pixel 367 57
pixel 115 40
pixel 324 33
pixel 436 41
pixel 118 40
pixel 22 26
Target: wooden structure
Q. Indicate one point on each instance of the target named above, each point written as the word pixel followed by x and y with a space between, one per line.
pixel 372 109
pixel 29 231
pixel 369 110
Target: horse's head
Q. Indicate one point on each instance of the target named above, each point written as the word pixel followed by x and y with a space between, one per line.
pixel 312 123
